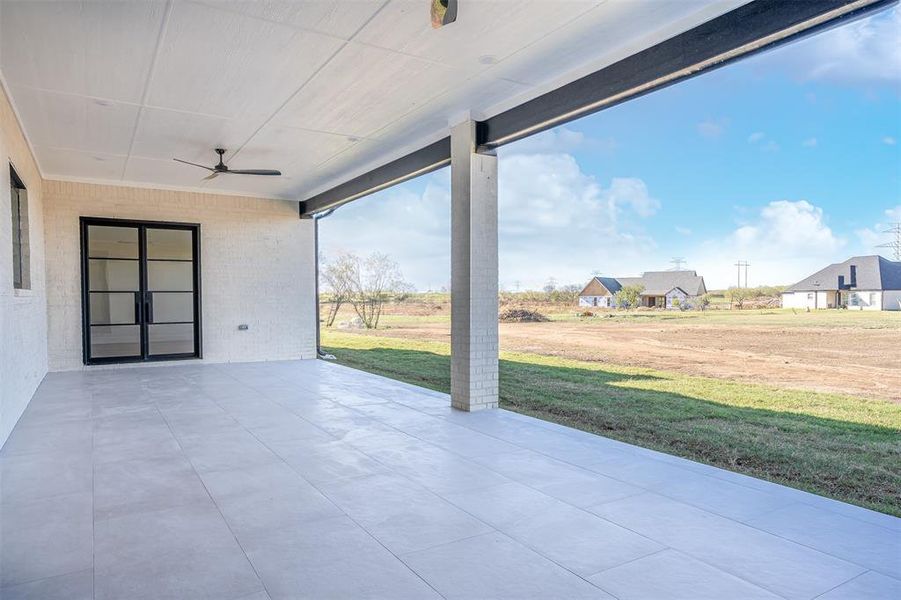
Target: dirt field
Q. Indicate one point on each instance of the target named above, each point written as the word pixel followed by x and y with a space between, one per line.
pixel 830 351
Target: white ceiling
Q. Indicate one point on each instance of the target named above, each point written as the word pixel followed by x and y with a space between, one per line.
pixel 321 89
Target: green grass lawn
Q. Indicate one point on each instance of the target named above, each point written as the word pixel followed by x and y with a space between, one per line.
pixel 838 446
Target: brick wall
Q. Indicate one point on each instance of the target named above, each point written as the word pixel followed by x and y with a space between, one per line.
pixel 256 268
pixel 23 313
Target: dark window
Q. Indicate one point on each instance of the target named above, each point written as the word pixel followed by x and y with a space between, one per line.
pixel 19 209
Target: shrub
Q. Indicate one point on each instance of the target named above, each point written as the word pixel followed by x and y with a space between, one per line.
pixel 521 315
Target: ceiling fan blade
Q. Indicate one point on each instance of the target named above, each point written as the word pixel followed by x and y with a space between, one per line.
pixel 254 172
pixel 193 164
pixel 212 175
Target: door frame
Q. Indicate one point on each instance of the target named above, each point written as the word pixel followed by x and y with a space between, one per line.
pixel 84 222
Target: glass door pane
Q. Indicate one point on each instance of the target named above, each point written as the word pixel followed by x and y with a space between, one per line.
pixel 170 289
pixel 140 290
pixel 114 284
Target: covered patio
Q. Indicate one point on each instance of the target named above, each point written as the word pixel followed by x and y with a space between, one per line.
pixel 305 479
pixel 238 465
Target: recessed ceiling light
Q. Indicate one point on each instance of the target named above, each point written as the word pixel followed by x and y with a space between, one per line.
pixel 487 59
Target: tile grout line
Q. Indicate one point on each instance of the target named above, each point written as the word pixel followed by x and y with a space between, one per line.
pixel 343 512
pixel 93 506
pixel 647 490
pixel 293 383
pixel 209 495
pixel 580 508
pixel 315 487
pixel 436 494
pixel 841 584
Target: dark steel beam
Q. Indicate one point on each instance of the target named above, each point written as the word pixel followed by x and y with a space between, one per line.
pixel 432 157
pixel 746 30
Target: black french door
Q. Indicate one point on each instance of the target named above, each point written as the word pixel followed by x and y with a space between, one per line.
pixel 140 290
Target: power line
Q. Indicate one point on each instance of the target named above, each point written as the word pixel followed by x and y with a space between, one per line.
pixel 895 244
pixel 740 264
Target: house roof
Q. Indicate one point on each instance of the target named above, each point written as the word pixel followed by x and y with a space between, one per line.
pixel 873 273
pixel 611 283
pixel 658 283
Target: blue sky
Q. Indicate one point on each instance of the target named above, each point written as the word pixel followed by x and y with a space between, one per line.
pixel 789 160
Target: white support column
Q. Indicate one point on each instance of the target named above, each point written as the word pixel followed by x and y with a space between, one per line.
pixel 474 304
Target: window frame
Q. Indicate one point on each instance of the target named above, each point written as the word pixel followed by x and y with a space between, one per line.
pixel 21 255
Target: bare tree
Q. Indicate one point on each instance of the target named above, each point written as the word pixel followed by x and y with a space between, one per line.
pixel 373 281
pixel 365 283
pixel 336 277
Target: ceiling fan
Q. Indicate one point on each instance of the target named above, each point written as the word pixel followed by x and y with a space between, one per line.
pixel 222 168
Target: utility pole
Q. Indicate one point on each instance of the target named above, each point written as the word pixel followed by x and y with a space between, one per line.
pixel 678 261
pixel 895 245
pixel 739 265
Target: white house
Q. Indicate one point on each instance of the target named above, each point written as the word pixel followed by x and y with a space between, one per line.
pixel 660 289
pixel 859 283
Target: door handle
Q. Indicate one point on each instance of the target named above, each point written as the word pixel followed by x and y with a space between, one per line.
pixel 138 308
pixel 148 307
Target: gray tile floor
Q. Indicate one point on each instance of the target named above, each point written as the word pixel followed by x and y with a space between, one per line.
pixel 311 480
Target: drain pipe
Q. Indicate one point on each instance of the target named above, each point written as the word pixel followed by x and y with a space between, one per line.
pixel 319 352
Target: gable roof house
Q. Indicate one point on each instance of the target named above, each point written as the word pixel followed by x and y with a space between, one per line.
pixel 860 283
pixel 663 289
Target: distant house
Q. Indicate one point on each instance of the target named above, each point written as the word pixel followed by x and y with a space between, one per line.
pixel 661 289
pixel 860 283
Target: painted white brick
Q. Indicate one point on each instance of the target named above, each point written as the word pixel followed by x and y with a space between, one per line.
pixel 474 270
pixel 23 313
pixel 257 267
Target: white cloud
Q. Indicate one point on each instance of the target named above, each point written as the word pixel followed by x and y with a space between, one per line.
pixel 786 225
pixel 758 136
pixel 870 238
pixel 683 230
pixel 561 139
pixel 557 221
pixel 809 143
pixel 865 51
pixel 784 241
pixel 554 221
pixel 411 226
pixel 712 128
pixel 889 140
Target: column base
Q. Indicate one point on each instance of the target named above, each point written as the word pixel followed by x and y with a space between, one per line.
pixel 473 407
